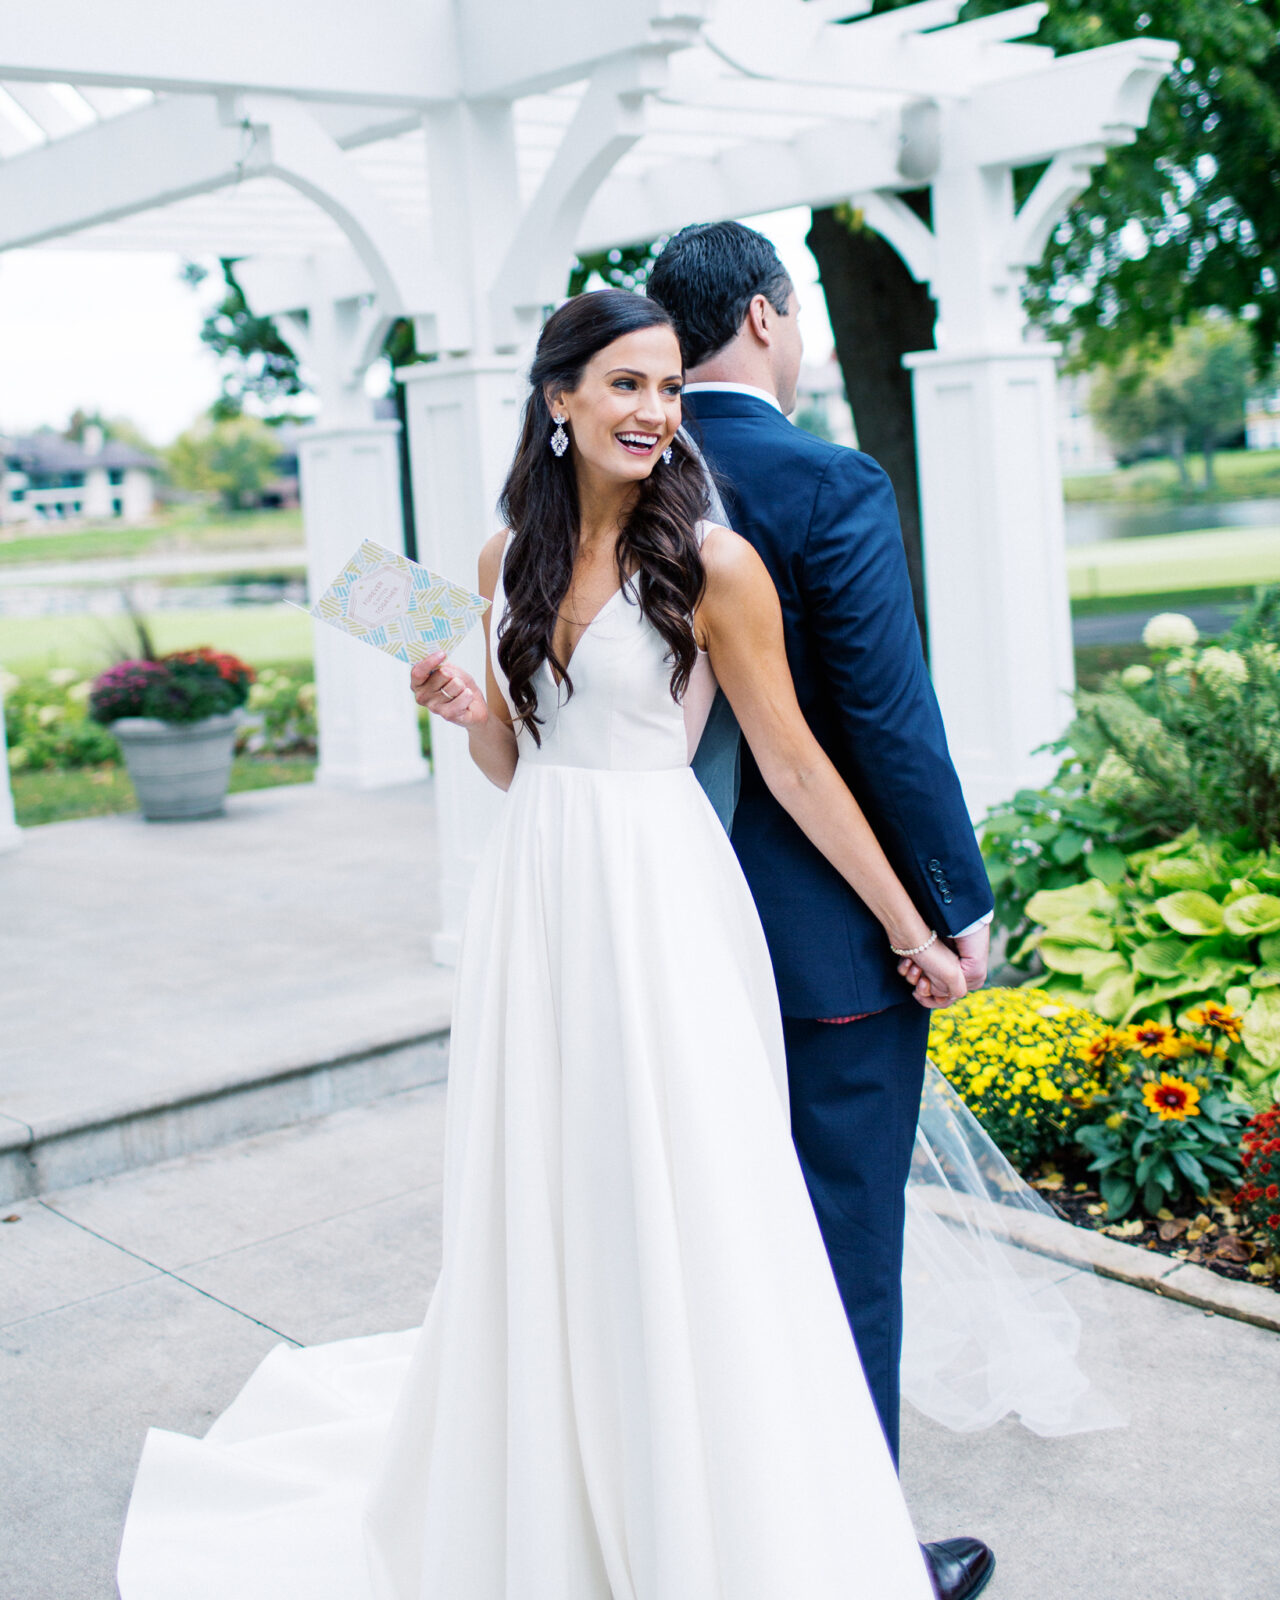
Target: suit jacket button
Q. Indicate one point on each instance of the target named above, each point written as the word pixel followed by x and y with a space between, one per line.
pixel 934 865
pixel 946 897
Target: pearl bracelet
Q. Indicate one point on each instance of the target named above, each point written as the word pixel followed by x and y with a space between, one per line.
pixel 919 949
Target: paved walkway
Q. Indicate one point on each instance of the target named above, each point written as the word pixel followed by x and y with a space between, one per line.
pixel 149 963
pixel 148 1298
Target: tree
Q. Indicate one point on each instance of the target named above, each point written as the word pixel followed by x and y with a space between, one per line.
pixel 1191 393
pixel 256 360
pixel 1183 220
pixel 234 457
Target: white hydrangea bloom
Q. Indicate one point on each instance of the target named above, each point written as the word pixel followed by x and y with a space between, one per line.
pixel 1135 676
pixel 8 682
pixel 60 677
pixel 1170 630
pixel 1220 664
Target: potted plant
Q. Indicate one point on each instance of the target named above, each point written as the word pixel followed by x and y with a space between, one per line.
pixel 176 718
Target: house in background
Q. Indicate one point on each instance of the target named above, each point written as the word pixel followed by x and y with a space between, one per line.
pixel 1262 420
pixel 46 479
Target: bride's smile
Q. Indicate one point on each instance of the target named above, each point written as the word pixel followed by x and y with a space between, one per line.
pixel 626 409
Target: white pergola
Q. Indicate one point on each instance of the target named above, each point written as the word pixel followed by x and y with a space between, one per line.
pixel 444 160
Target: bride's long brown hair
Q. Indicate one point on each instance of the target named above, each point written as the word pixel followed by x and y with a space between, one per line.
pixel 659 562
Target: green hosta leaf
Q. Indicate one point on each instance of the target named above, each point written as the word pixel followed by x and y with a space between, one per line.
pixel 1253 914
pixel 1262 1028
pixel 1161 958
pixel 1079 899
pixel 1096 932
pixel 1080 959
pixel 1239 998
pixel 1240 889
pixel 1107 864
pixel 1155 994
pixel 1265 978
pixel 1269 949
pixel 1191 911
pixel 1183 872
pixel 1028 947
pixel 1114 996
pixel 1063 988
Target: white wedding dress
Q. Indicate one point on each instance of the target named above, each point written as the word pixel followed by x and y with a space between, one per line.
pixel 635 1380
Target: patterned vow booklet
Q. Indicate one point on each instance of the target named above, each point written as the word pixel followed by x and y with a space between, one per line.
pixel 397 606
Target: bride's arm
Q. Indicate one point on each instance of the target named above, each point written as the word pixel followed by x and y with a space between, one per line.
pixel 739 623
pixel 452 694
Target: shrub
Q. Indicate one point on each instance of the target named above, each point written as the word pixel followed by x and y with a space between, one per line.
pixel 1190 740
pixel 1191 919
pixel 184 686
pixel 46 725
pixel 1020 1061
pixel 1259 1196
pixel 282 705
pixel 1166 1125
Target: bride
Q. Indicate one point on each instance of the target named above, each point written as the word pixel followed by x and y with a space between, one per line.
pixel 636 1380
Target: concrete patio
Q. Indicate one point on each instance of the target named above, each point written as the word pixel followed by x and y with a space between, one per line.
pixel 169 986
pixel 147 1298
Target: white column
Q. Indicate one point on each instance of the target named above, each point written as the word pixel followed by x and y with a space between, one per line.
pixel 10 832
pixel 462 426
pixel 995 564
pixel 368 726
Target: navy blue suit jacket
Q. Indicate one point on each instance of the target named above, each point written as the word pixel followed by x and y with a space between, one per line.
pixel 825 522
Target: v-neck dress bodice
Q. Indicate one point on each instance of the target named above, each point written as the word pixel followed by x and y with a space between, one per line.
pixel 621 714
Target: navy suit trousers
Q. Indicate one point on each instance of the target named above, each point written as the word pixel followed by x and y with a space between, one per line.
pixel 855 1099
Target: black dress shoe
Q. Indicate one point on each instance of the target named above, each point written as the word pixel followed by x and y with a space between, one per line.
pixel 961 1568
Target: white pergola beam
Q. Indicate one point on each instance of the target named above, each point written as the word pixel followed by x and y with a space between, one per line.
pixel 825 164
pixel 321 50
pixel 1098 96
pixel 130 163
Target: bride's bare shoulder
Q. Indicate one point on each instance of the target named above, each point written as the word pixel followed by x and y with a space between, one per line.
pixel 491 563
pixel 728 559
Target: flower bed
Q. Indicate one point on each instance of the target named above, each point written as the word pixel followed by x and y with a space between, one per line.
pixel 1133 1130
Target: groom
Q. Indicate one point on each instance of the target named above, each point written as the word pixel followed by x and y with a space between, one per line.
pixel 824 521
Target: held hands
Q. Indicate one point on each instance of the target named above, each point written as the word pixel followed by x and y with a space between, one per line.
pixel 936 975
pixel 448 692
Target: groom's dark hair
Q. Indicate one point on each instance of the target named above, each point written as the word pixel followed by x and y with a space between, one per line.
pixel 707 276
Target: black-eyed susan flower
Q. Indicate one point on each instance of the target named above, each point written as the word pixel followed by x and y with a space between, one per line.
pixel 1218 1019
pixel 1173 1099
pixel 1151 1038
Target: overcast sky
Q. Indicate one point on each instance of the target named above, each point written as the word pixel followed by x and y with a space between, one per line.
pixel 120 333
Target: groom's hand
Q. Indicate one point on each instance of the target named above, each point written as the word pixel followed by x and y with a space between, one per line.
pixel 974 950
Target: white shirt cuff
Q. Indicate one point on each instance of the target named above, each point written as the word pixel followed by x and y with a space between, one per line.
pixel 974 926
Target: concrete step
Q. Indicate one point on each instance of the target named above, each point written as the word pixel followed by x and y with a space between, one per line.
pixel 59 1153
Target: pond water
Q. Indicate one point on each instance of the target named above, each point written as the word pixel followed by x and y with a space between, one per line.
pixel 1091 523
pixel 105 600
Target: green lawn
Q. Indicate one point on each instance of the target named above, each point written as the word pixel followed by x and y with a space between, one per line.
pixel 56 796
pixel 182 530
pixel 1215 559
pixel 1240 474
pixel 261 635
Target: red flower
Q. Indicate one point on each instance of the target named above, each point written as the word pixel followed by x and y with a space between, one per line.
pixel 1273 1191
pixel 1273 1221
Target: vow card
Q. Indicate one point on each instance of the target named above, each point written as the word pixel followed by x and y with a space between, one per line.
pixel 397 606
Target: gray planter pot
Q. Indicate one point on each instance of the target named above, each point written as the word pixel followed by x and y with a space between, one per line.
pixel 180 770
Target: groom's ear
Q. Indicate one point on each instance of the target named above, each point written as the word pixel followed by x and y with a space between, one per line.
pixel 760 318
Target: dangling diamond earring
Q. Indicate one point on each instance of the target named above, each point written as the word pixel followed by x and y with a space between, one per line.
pixel 667 455
pixel 559 439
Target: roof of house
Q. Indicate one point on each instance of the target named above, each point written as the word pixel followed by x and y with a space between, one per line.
pixel 45 452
